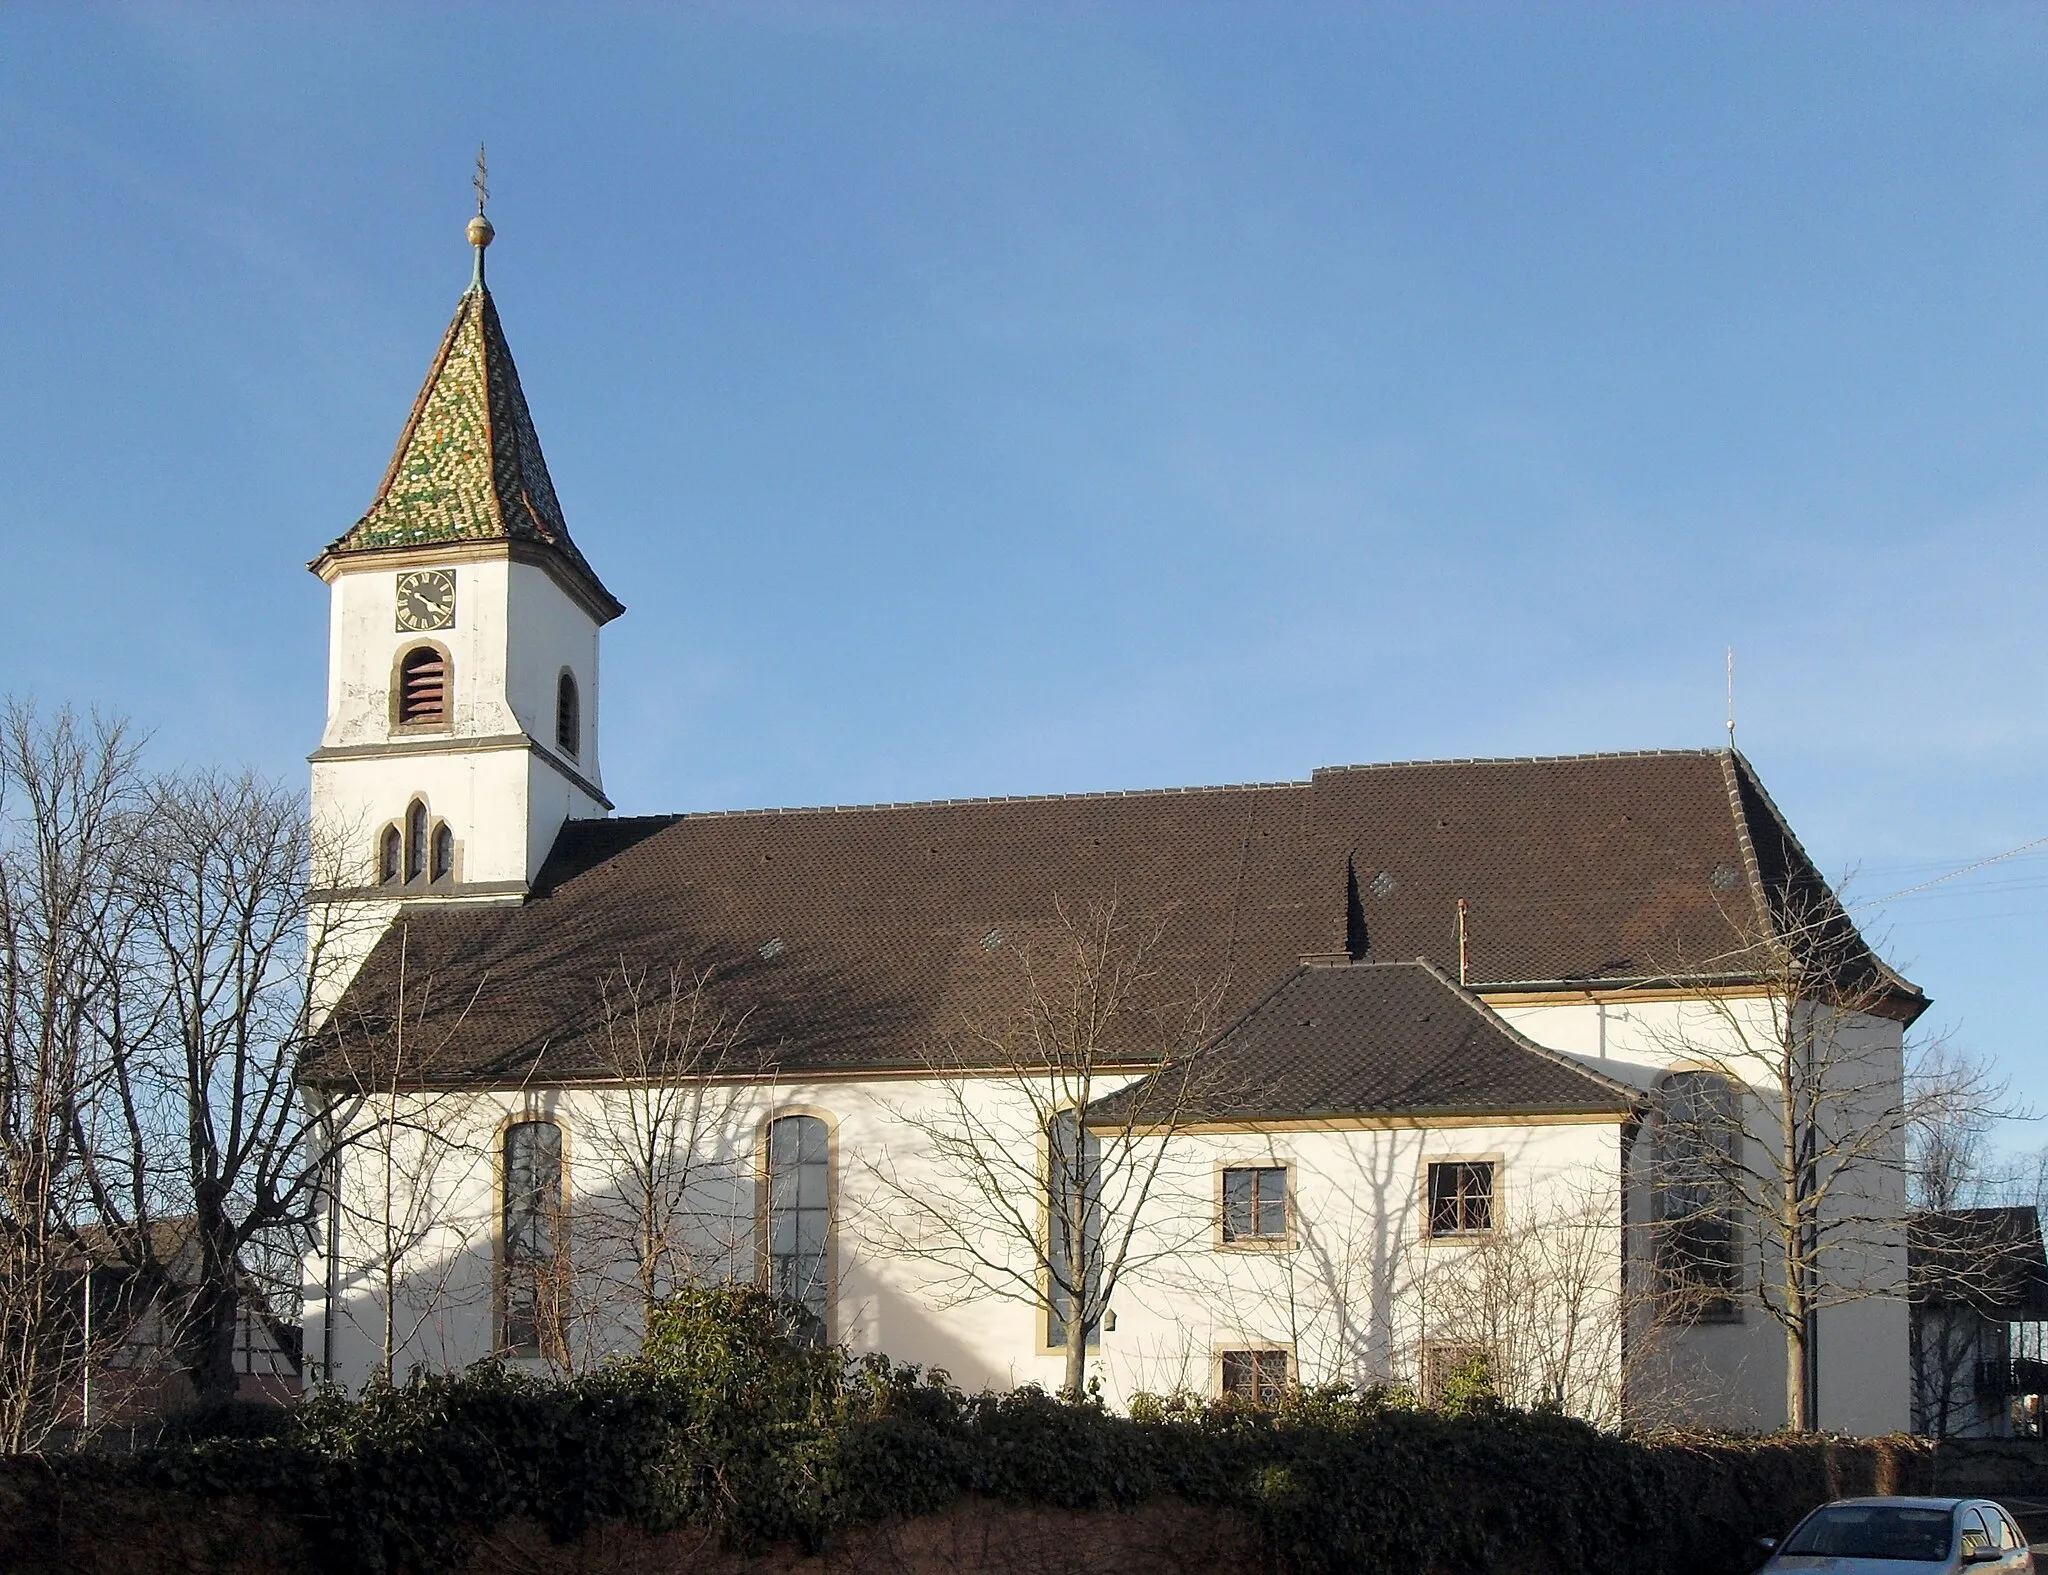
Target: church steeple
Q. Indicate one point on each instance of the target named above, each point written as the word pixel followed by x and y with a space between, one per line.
pixel 468 466
pixel 462 693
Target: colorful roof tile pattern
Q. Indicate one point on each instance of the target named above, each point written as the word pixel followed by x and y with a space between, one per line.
pixel 468 465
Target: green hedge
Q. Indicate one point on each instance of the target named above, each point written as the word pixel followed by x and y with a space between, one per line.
pixel 724 1423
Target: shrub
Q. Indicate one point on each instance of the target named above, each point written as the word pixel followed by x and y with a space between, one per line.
pixel 726 1422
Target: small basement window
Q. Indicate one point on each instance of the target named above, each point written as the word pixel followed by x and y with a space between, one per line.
pixel 423 687
pixel 1451 1365
pixel 1258 1376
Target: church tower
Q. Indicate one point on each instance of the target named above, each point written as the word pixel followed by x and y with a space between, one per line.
pixel 462 670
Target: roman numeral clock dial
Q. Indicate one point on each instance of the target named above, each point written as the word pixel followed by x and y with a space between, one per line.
pixel 426 600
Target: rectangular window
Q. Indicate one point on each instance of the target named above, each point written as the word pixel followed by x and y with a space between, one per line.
pixel 1255 1204
pixel 1257 1376
pixel 1461 1197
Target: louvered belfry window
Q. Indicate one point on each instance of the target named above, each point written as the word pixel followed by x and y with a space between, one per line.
pixel 423 687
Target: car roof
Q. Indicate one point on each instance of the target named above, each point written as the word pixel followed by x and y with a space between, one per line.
pixel 1909 1502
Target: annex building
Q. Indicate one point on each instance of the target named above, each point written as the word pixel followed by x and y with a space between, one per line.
pixel 1394 1073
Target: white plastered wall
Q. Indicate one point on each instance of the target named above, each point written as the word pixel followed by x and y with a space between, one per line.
pixel 1359 1288
pixel 1354 1296
pixel 1348 1297
pixel 491 775
pixel 1733 1373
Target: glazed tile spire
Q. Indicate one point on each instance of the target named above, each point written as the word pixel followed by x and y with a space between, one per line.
pixel 468 467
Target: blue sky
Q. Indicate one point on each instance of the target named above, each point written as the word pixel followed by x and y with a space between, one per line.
pixel 976 399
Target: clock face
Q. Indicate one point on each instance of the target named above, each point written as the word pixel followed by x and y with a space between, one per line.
pixel 426 600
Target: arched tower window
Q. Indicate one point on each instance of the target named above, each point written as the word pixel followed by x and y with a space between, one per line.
pixel 533 1236
pixel 442 862
pixel 416 839
pixel 423 687
pixel 1698 1136
pixel 390 856
pixel 568 716
pixel 800 1217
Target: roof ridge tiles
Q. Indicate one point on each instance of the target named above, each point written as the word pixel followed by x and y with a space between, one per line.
pixel 990 798
pixel 1523 760
pixel 1559 1058
pixel 1170 792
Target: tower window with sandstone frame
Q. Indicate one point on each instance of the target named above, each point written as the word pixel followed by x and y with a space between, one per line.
pixel 568 716
pixel 423 687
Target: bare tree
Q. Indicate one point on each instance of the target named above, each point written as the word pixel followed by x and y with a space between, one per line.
pixel 1785 1119
pixel 1955 1103
pixel 1025 1188
pixel 69 799
pixel 398 1132
pixel 200 1120
pixel 675 1211
pixel 1961 1280
pixel 1545 1307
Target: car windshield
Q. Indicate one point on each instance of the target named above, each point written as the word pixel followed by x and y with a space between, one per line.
pixel 1874 1531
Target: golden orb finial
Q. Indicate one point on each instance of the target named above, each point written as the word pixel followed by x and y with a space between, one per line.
pixel 480 232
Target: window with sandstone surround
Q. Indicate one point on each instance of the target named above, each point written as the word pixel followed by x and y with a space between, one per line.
pixel 1255 1205
pixel 568 716
pixel 1259 1375
pixel 533 1230
pixel 1461 1198
pixel 799 1178
pixel 423 687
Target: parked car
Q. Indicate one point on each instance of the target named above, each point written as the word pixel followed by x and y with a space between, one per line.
pixel 1890 1536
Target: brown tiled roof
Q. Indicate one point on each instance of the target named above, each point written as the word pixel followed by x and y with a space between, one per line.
pixel 468 466
pixel 1990 1259
pixel 1370 1039
pixel 855 937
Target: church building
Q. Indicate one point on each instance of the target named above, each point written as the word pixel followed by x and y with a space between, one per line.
pixel 1401 1074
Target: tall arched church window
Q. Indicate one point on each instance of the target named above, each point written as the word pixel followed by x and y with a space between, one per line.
pixel 441 862
pixel 391 856
pixel 416 840
pixel 800 1217
pixel 423 687
pixel 568 716
pixel 1697 1136
pixel 1073 1206
pixel 533 1236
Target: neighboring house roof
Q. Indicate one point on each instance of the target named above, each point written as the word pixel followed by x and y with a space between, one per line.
pixel 172 1247
pixel 855 938
pixel 1988 1259
pixel 468 467
pixel 1368 1039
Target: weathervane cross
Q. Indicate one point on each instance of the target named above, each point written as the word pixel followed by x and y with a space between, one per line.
pixel 482 182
